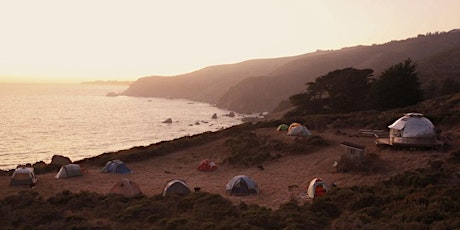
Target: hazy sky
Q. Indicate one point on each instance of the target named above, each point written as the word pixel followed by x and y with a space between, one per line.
pixel 56 40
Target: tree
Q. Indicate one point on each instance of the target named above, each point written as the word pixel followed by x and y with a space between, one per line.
pixel 342 90
pixel 397 86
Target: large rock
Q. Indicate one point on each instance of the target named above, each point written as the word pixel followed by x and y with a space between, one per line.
pixel 60 160
pixel 169 121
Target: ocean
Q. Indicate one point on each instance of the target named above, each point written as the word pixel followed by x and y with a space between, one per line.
pixel 79 120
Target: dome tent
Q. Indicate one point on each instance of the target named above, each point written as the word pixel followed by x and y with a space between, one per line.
pixel 317 187
pixel 176 186
pixel 126 187
pixel 24 176
pixel 412 129
pixel 296 129
pixel 116 166
pixel 70 170
pixel 207 165
pixel 242 185
pixel 282 127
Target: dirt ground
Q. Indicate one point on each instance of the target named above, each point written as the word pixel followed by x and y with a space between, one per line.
pixel 280 180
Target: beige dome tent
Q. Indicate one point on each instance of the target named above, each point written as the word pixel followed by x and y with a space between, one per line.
pixel 126 187
pixel 412 129
pixel 24 176
pixel 70 170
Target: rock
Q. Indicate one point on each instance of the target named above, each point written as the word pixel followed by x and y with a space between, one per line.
pixel 231 114
pixel 169 120
pixel 39 165
pixel 112 94
pixel 214 116
pixel 60 160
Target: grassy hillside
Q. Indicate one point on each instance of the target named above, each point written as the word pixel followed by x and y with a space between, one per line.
pixel 424 198
pixel 260 85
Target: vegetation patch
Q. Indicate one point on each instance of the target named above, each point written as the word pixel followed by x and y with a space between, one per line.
pixel 250 149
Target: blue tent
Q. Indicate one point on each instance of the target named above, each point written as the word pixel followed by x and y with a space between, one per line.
pixel 116 166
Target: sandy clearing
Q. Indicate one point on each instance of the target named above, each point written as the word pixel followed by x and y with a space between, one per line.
pixel 281 180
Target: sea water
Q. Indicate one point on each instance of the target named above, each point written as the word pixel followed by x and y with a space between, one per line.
pixel 38 121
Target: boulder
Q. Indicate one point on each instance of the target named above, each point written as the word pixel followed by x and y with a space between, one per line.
pixel 60 160
pixel 169 120
pixel 214 116
pixel 39 165
pixel 231 114
pixel 112 94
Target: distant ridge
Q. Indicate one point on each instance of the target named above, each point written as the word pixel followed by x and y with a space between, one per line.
pixel 106 82
pixel 260 85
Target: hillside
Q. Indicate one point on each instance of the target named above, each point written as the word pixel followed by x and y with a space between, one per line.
pixel 399 188
pixel 260 85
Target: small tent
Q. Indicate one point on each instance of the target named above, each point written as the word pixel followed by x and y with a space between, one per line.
pixel 116 166
pixel 24 176
pixel 296 129
pixel 412 129
pixel 207 165
pixel 282 127
pixel 317 187
pixel 70 170
pixel 126 187
pixel 176 186
pixel 242 185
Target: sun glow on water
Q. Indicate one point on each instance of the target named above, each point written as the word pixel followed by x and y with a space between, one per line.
pixel 79 121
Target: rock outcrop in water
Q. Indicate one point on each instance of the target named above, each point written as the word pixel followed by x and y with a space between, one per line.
pixel 168 121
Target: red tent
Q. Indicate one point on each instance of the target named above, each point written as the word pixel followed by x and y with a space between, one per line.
pixel 207 165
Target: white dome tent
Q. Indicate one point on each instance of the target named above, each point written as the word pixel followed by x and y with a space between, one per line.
pixel 412 129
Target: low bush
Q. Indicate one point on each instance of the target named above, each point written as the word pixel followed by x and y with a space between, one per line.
pixel 249 149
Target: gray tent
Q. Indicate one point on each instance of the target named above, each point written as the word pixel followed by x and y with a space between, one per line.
pixel 242 185
pixel 23 176
pixel 296 129
pixel 176 186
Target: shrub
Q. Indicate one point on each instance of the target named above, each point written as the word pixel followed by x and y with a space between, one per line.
pixel 248 149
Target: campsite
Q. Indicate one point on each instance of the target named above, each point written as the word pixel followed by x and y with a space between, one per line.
pixel 295 170
pixel 283 166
